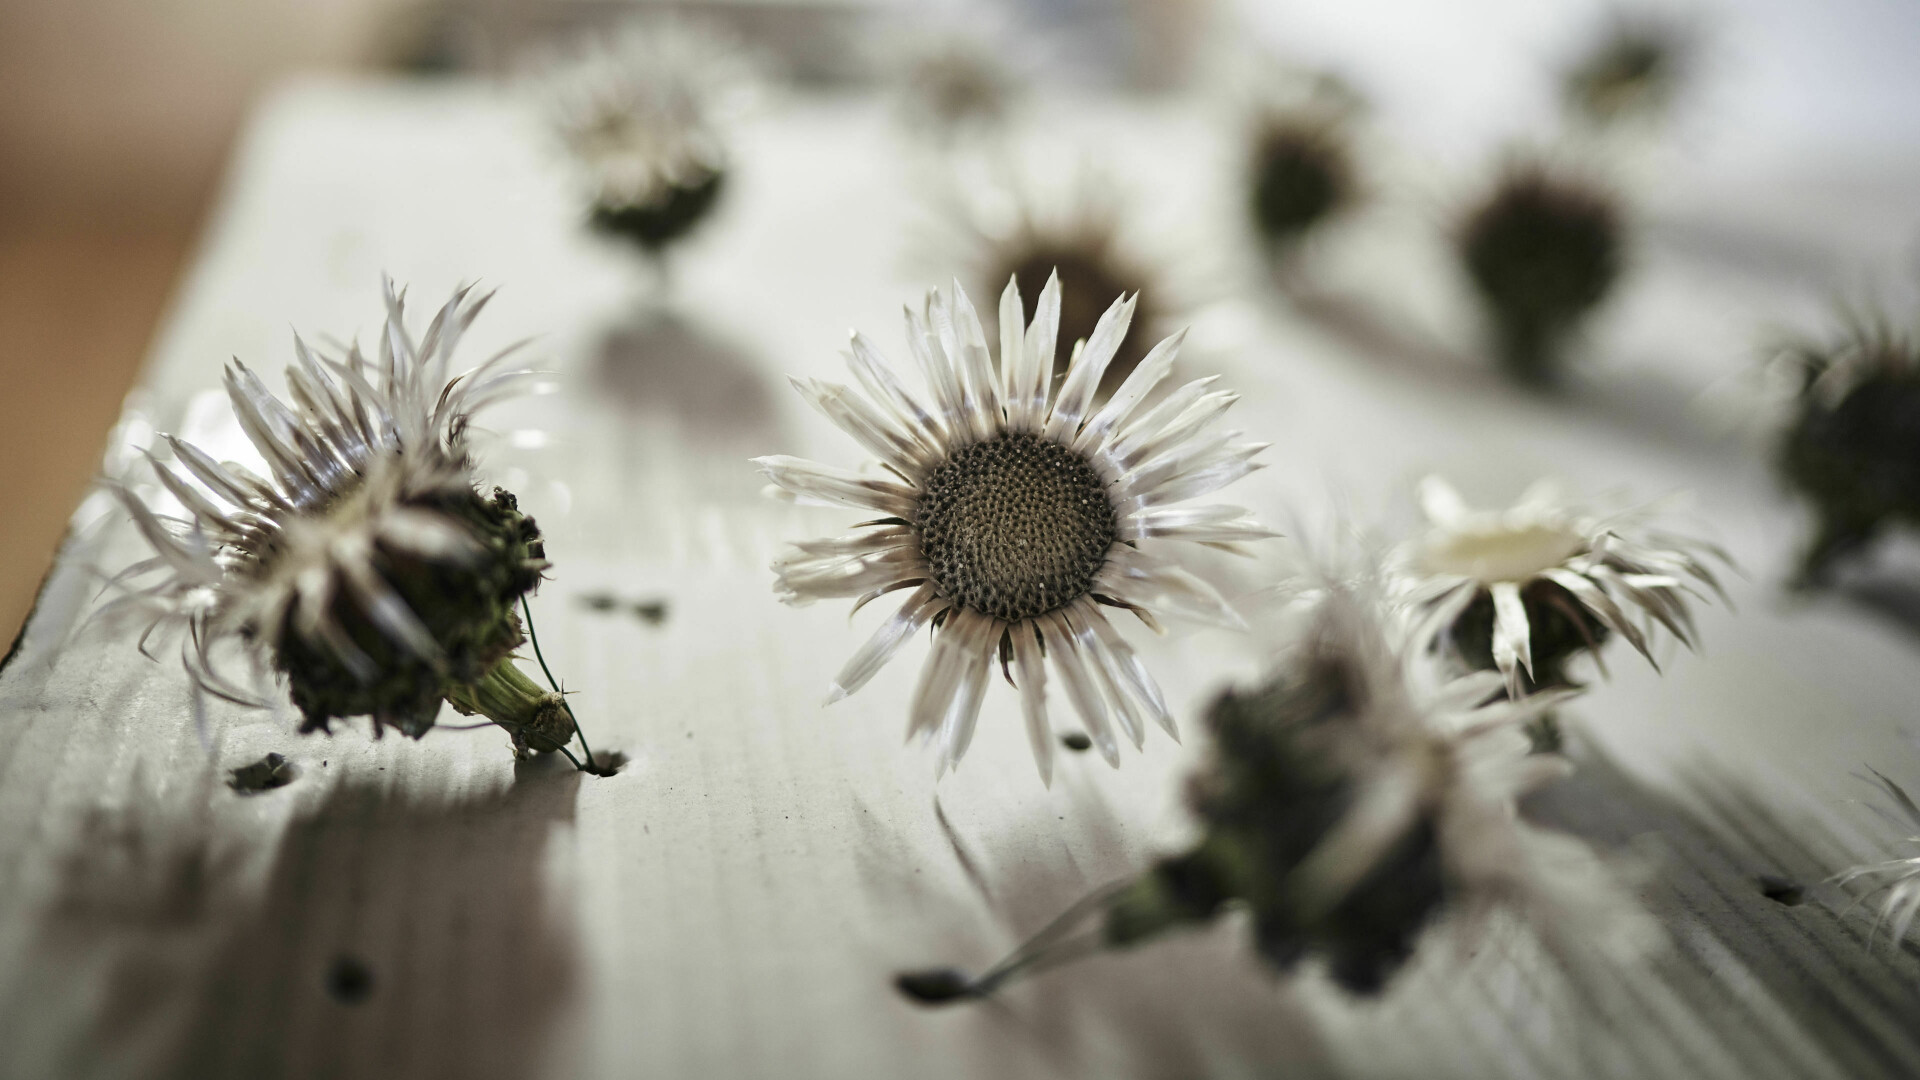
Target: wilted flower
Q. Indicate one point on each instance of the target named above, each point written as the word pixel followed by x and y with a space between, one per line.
pixel 1541 251
pixel 1635 67
pixel 1347 803
pixel 370 571
pixel 643 115
pixel 1525 590
pixel 1899 879
pixel 1015 513
pixel 1852 444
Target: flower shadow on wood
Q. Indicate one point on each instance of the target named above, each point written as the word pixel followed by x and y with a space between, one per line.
pixel 1781 966
pixel 397 936
pixel 669 367
pixel 1194 1005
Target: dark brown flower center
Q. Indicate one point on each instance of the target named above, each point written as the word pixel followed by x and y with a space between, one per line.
pixel 1014 527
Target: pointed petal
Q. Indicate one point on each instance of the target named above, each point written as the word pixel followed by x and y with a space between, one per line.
pixel 871 657
pixel 1512 636
pixel 1032 670
pixel 1061 651
pixel 1083 377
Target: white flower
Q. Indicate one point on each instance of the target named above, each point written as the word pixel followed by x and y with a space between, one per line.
pixel 1014 514
pixel 1434 754
pixel 1899 879
pixel 1349 801
pixel 368 569
pixel 1524 589
pixel 643 112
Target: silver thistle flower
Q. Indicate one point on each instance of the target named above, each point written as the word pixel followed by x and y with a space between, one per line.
pixel 1347 803
pixel 1015 513
pixel 643 115
pixel 1897 879
pixel 369 570
pixel 1524 590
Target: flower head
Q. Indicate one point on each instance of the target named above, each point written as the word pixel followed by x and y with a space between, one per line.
pixel 1301 167
pixel 1015 513
pixel 1348 802
pixel 368 569
pixel 1353 797
pixel 643 115
pixel 1852 442
pixel 1524 590
pixel 1541 251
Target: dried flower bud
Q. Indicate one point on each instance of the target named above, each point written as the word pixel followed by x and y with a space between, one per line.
pixel 1852 445
pixel 1302 175
pixel 1542 252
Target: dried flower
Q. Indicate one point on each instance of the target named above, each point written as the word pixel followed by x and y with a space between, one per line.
pixel 1898 879
pixel 642 114
pixel 1525 590
pixel 1347 803
pixel 1302 175
pixel 1852 444
pixel 1015 513
pixel 369 571
pixel 1541 251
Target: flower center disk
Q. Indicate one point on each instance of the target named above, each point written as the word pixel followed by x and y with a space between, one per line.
pixel 1014 527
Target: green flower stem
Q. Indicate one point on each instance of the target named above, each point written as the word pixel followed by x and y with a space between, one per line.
pixel 537 718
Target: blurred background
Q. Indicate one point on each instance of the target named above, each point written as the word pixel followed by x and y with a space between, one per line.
pixel 116 117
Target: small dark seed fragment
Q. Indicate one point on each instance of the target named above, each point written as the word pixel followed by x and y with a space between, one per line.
pixel 1076 741
pixel 934 986
pixel 1782 891
pixel 268 773
pixel 349 981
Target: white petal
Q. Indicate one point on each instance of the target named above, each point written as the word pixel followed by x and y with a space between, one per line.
pixel 878 379
pixel 870 429
pixel 1156 366
pixel 949 397
pixel 1150 423
pixel 1032 671
pixel 1025 396
pixel 1132 672
pixel 1081 690
pixel 383 607
pixel 1090 363
pixel 933 695
pixel 978 635
pixel 432 535
pixel 1105 668
pixel 1217 523
pixel 983 389
pixel 1042 336
pixel 1442 505
pixel 1512 636
pixel 837 487
pixel 871 657
pixel 1153 583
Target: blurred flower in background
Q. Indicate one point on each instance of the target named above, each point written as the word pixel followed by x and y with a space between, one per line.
pixel 643 112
